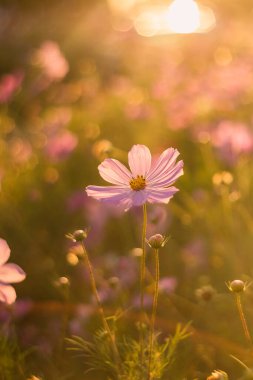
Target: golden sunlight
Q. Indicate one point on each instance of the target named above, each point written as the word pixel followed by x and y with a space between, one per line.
pixel 150 20
pixel 183 16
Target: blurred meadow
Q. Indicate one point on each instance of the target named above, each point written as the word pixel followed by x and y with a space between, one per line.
pixel 81 81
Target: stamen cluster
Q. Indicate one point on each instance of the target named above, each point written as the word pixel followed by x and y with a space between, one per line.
pixel 138 183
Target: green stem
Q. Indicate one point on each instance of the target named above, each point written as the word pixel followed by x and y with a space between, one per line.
pixel 142 276
pixel 154 309
pixel 100 307
pixel 243 319
pixel 64 325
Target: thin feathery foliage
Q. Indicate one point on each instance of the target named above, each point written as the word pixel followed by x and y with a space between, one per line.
pixel 163 355
pixel 12 359
pixel 99 356
pixel 181 333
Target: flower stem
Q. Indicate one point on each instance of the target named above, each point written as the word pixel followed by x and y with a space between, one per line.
pixel 100 307
pixel 142 275
pixel 154 308
pixel 64 326
pixel 143 257
pixel 243 319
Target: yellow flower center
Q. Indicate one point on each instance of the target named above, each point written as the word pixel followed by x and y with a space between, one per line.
pixel 138 183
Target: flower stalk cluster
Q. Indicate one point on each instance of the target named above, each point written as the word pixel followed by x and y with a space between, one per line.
pixel 149 180
pixel 79 236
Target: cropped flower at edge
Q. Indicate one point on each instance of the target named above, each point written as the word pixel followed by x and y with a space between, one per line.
pixel 148 180
pixel 9 273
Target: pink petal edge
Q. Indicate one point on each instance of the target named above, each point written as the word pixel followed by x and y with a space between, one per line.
pixel 11 273
pixel 4 251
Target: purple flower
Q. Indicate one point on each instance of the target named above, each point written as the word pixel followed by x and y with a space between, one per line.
pixel 61 145
pixel 10 83
pixel 8 273
pixel 167 285
pixel 148 181
pixel 232 139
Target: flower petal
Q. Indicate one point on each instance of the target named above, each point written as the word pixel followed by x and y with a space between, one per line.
pixel 104 192
pixel 7 294
pixel 124 201
pixel 139 197
pixel 139 159
pixel 164 163
pixel 4 251
pixel 159 175
pixel 116 195
pixel 168 177
pixel 161 195
pixel 11 273
pixel 114 172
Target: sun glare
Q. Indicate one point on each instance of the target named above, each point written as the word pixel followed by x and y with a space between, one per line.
pixel 183 16
pixel 150 19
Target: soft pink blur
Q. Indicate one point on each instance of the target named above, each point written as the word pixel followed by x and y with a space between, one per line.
pixel 9 84
pixel 51 60
pixel 60 145
pixel 232 139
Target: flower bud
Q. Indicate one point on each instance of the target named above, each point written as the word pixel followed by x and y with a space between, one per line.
pixel 205 293
pixel 236 286
pixel 218 375
pixel 62 281
pixel 157 241
pixel 113 282
pixel 78 235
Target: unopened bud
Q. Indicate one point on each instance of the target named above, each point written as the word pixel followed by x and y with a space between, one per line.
pixel 62 282
pixel 218 375
pixel 78 235
pixel 205 293
pixel 157 241
pixel 236 286
pixel 113 282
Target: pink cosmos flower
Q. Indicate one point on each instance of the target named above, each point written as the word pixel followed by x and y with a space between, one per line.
pixel 148 180
pixel 232 139
pixel 50 58
pixel 8 273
